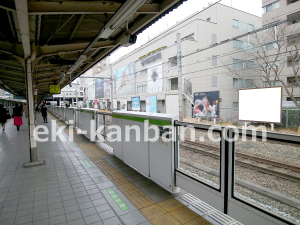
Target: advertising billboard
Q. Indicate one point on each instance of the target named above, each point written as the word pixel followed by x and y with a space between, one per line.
pixel 115 104
pixel 95 104
pixel 260 104
pixel 125 80
pixel 155 82
pixel 135 104
pixel 99 88
pixel 123 104
pixel 206 104
pixel 107 87
pixel 151 104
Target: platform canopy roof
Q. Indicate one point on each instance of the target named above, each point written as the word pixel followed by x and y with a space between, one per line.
pixel 66 37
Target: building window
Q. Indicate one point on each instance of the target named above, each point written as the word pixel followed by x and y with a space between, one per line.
pixel 270 7
pixel 173 61
pixel 290 62
pixel 240 64
pixel 142 89
pixel 242 26
pixel 274 83
pixel 294 18
pixel 293 39
pixel 174 84
pixel 213 38
pixel 214 81
pixel 291 1
pixel 190 37
pixel 242 83
pixel 143 72
pixel 243 45
pixel 214 61
pixel 81 93
pixel 235 105
pixel 81 88
pixel 270 65
pixel 271 46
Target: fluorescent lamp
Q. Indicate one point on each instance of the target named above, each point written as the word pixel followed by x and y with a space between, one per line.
pixel 123 14
pixel 77 64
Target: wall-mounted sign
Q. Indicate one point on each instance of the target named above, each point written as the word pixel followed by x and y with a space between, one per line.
pixel 135 102
pixel 55 89
pixel 151 59
pixel 155 81
pixel 115 104
pixel 151 104
pixel 152 52
pixel 123 104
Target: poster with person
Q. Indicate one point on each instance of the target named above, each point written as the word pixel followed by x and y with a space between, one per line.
pixel 123 104
pixel 125 80
pixel 206 104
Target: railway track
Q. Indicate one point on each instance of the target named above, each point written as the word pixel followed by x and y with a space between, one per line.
pixel 248 161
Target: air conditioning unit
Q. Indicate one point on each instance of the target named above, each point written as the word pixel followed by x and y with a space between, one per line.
pixel 128 40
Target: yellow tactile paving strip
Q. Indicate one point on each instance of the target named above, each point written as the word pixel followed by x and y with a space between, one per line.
pixel 166 212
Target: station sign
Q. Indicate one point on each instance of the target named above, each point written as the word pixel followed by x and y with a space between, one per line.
pixel 55 89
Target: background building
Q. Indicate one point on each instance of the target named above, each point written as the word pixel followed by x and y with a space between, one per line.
pixel 151 70
pixel 282 42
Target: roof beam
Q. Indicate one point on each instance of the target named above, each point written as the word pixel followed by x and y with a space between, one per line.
pixel 4 77
pixel 76 27
pixel 13 49
pixel 11 64
pixel 11 25
pixel 55 49
pixel 4 71
pixel 83 7
pixel 38 30
pixel 58 29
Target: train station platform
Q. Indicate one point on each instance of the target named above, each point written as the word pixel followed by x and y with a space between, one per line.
pixel 80 183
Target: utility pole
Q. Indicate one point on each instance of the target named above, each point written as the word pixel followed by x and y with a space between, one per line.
pixel 179 69
pixel 111 89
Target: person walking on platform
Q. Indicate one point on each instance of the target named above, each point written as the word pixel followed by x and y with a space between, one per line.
pixel 44 113
pixel 17 113
pixel 3 117
pixel 25 110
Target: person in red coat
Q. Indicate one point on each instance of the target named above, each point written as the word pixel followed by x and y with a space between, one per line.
pixel 17 112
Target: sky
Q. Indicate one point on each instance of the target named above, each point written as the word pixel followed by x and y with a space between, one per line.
pixel 183 11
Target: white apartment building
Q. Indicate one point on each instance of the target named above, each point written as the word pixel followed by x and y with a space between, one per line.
pixel 280 10
pixel 203 71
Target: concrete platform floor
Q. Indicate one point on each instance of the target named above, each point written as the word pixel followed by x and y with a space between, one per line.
pixel 80 183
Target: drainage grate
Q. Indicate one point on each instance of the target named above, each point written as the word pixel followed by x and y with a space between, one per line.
pixel 218 218
pixel 201 208
pixel 187 199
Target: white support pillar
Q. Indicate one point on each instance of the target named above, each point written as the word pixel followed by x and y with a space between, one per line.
pixel 31 119
pixel 111 89
pixel 179 69
pixel 29 56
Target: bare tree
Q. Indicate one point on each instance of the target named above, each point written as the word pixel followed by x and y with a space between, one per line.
pixel 276 48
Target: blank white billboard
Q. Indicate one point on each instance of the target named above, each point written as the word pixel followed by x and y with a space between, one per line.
pixel 260 105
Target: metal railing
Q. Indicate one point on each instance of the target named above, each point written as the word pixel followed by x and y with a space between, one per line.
pixel 245 178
